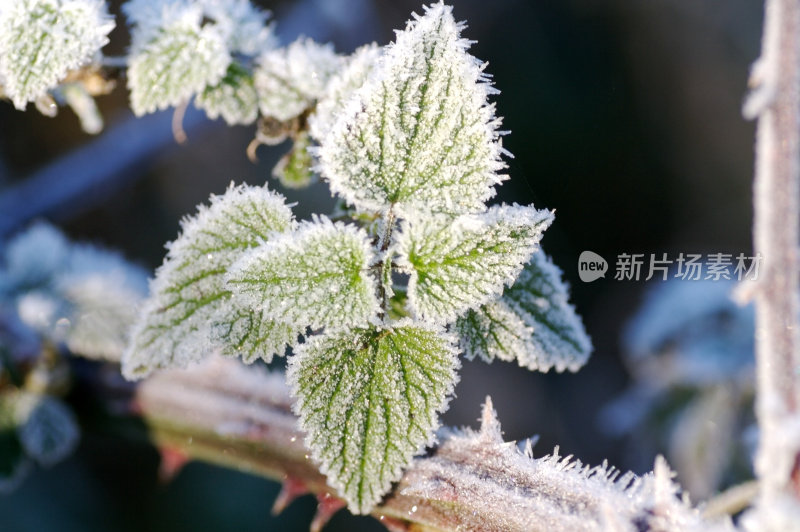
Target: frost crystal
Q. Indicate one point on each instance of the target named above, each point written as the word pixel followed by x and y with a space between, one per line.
pixel 420 134
pixel 483 483
pixel 188 294
pixel 532 322
pixel 341 88
pixel 234 98
pixel 289 80
pixel 41 40
pixel 458 264
pixel 368 400
pixel 317 276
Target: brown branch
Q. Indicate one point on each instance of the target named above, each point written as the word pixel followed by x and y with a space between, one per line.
pixel 240 417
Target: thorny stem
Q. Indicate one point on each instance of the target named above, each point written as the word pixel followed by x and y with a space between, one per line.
pixel 776 103
pixel 225 413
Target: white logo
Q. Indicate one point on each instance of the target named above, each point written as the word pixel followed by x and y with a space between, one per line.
pixel 591 266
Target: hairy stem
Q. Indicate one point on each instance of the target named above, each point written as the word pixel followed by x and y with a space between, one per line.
pixel 776 103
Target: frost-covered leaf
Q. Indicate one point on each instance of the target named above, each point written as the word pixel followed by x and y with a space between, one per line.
pixel 532 322
pixel 242 25
pixel 41 40
pixel 294 168
pixel 188 296
pixel 289 80
pixel 420 134
pixel 234 97
pixel 180 60
pixel 74 293
pixel 102 310
pixel 317 276
pixel 494 331
pixel 368 400
pixel 343 86
pixel 46 428
pixel 458 264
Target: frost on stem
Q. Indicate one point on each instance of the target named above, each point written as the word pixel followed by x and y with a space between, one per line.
pixel 190 311
pixel 317 276
pixel 475 480
pixel 420 134
pixel 458 264
pixel 41 40
pixel 368 400
pixel 532 323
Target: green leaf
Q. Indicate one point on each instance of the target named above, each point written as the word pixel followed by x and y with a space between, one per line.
pixel 180 60
pixel 368 400
pixel 532 322
pixel 190 311
pixel 294 168
pixel 420 134
pixel 234 98
pixel 458 264
pixel 41 40
pixel 317 277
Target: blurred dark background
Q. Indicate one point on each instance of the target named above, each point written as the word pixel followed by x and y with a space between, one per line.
pixel 624 117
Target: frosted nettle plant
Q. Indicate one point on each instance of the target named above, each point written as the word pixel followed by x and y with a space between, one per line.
pixel 42 40
pixel 416 270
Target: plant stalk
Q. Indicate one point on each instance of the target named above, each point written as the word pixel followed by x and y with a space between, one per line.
pixel 775 101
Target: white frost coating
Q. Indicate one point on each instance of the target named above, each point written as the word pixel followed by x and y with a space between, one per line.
pixel 289 80
pixel 182 59
pixel 234 98
pixel 368 401
pixel 188 296
pixel 317 276
pixel 343 86
pixel 420 134
pixel 103 309
pixel 41 40
pixel 181 48
pixel 73 293
pixel 507 490
pixel 494 331
pixel 241 25
pixel 541 299
pixel 46 428
pixel 458 264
